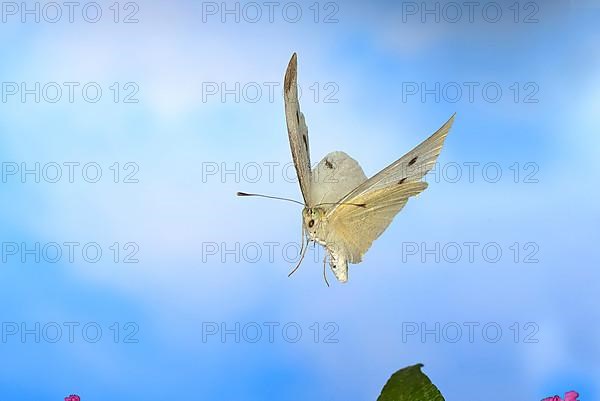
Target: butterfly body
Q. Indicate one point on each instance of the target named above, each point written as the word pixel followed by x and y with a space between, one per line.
pixel 315 225
pixel 313 220
pixel 344 211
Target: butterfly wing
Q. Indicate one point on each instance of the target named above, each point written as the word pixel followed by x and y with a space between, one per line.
pixel 297 129
pixel 355 228
pixel 352 229
pixel 334 177
pixel 410 167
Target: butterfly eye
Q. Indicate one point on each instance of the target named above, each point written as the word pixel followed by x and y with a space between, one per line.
pixel 311 223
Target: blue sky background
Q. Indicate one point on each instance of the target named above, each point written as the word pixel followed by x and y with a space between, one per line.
pixel 175 210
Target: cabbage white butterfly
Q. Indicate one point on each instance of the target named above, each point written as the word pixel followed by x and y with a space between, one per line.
pixel 343 210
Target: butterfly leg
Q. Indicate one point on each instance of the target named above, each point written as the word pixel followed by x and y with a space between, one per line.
pixel 325 270
pixel 303 252
pixel 302 240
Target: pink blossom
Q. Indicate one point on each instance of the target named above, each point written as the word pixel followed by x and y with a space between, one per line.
pixel 569 396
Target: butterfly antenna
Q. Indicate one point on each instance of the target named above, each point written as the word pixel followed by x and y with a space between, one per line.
pixel 269 197
pixel 325 271
pixel 300 261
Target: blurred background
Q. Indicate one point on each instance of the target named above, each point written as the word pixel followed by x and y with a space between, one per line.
pixel 130 270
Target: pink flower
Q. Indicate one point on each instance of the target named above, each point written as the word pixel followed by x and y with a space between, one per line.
pixel 571 396
pixel 73 397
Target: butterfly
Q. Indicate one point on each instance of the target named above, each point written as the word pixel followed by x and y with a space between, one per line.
pixel 343 210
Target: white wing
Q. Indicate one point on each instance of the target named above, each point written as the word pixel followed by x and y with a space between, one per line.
pixel 410 167
pixel 333 178
pixel 297 129
pixel 352 229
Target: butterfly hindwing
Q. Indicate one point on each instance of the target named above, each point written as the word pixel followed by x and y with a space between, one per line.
pixel 334 177
pixel 354 228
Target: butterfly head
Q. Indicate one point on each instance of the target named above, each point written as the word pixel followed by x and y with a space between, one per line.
pixel 312 217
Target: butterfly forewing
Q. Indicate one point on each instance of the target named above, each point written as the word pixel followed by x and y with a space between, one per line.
pixel 410 167
pixel 297 130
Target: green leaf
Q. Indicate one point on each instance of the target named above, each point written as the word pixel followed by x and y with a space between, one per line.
pixel 410 384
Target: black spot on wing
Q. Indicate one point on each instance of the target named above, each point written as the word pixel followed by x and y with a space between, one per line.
pixel 304 139
pixel 298 117
pixel 402 181
pixel 413 160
